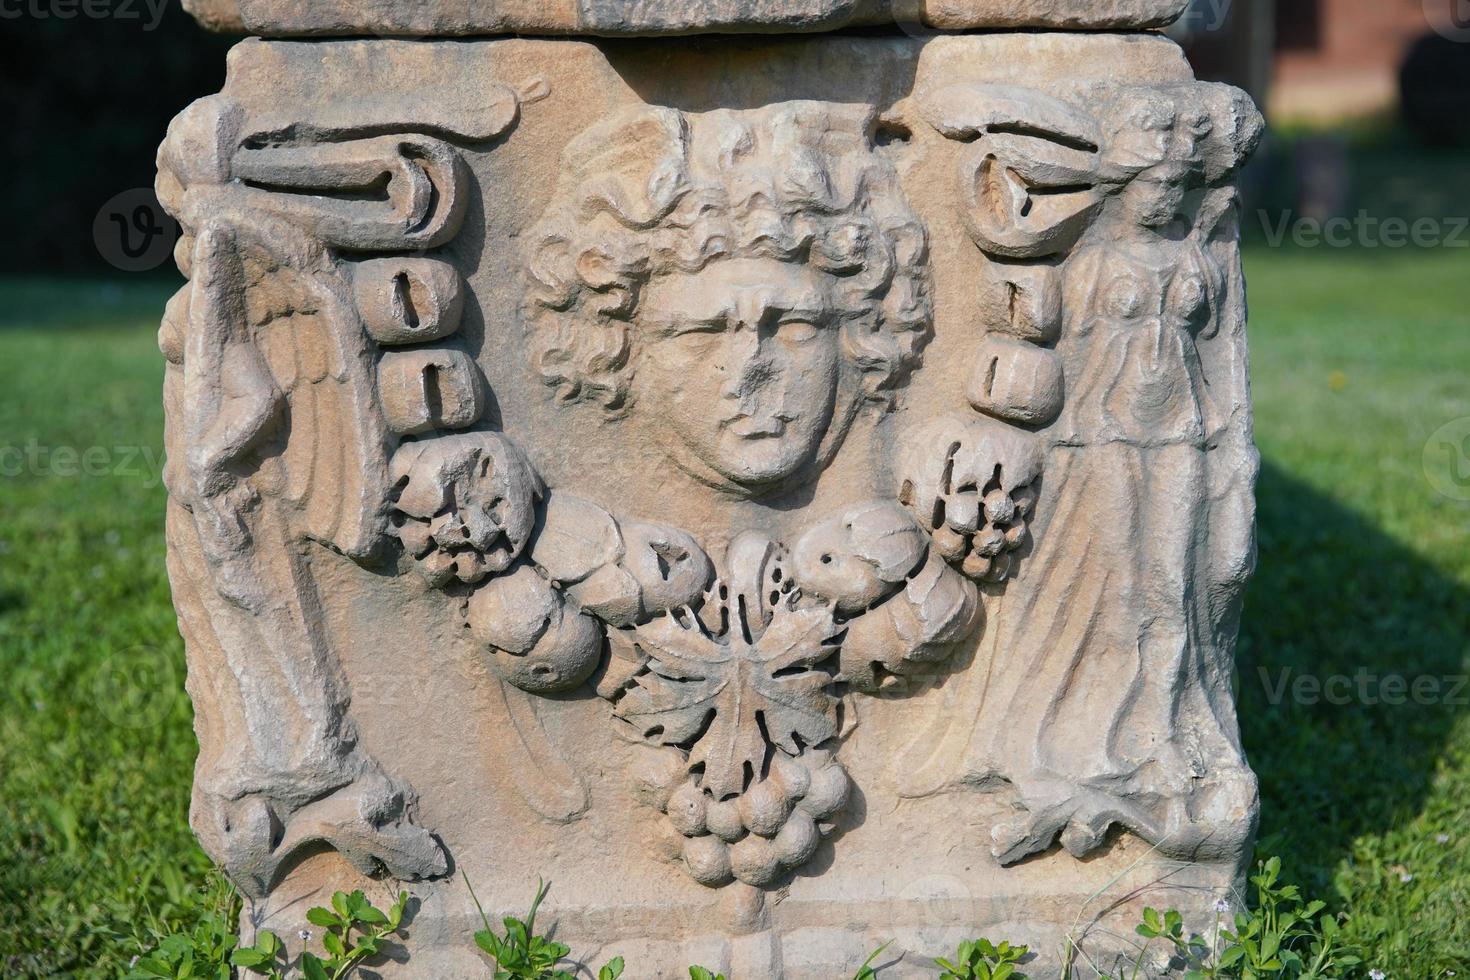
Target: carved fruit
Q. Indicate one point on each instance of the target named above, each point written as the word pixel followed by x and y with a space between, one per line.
pixel 797 841
pixel 977 566
pixel 575 538
pixel 564 658
pixel 513 612
pixel 655 773
pixel 828 793
pixel 793 775
pixel 990 542
pixel 764 808
pixel 858 558
pixel 669 567
pixel 922 625
pixel 962 514
pixel 951 544
pixel 753 860
pixel 999 507
pixel 466 504
pixel 724 821
pixel 610 594
pixel 708 861
pixel 537 643
pixel 977 495
pixel 687 810
pixel 937 608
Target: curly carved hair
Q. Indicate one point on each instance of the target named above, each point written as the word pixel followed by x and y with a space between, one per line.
pixel 654 191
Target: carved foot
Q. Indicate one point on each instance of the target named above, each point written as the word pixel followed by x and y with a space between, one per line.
pixel 255 839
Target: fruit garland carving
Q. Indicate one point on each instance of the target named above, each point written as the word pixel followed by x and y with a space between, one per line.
pixel 730 677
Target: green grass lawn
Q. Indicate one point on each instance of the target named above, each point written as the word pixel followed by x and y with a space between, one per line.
pixel 1359 357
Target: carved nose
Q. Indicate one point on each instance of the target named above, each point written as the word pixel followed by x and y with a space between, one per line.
pixel 747 369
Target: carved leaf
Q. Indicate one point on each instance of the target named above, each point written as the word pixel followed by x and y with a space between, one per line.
pixel 724 697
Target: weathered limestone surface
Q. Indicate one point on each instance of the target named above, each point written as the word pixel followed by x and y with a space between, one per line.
pixel 793 494
pixel 425 18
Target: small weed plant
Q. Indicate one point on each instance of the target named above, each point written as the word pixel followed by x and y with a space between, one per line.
pixel 1281 938
pixel 521 954
pixel 981 959
pixel 200 953
pixel 1284 938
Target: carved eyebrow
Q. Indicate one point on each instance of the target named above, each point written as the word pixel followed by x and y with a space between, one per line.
pixel 683 322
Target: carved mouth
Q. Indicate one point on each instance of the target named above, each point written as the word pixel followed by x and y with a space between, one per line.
pixel 749 428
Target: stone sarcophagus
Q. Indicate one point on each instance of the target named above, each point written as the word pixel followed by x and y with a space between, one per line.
pixel 792 492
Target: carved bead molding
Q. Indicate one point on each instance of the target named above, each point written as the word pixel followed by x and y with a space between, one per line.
pixel 730 468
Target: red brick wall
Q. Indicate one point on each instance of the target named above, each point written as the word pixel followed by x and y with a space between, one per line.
pixel 1353 68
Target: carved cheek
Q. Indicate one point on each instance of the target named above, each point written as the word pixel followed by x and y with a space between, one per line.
pixel 805 378
pixel 671 364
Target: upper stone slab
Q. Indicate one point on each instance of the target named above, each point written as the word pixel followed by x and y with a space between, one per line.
pixel 459 18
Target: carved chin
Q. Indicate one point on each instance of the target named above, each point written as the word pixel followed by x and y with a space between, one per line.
pixel 762 462
pixel 755 470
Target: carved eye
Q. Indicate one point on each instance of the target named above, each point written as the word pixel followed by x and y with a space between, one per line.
pixel 796 332
pixel 697 341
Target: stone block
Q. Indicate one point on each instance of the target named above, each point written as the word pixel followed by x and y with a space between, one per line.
pixel 573 476
pixel 612 18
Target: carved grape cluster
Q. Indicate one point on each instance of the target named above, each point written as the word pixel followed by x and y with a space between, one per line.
pixel 982 527
pixel 972 483
pixel 774 826
pixel 465 506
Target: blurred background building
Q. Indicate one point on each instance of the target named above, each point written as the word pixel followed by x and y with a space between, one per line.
pixel 1316 61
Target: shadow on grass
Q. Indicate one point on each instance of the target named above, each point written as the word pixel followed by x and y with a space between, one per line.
pixel 1335 597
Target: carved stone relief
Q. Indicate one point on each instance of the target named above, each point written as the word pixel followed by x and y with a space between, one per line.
pixel 736 502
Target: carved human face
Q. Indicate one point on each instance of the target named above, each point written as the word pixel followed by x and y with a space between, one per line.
pixel 1155 197
pixel 740 361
